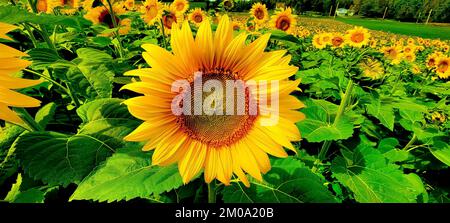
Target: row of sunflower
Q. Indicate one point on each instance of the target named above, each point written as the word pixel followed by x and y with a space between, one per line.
pixel 368 125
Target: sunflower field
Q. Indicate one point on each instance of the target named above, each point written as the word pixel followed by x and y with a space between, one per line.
pixel 87 110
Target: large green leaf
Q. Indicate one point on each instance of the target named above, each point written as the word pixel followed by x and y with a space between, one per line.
pixel 45 114
pixel 61 159
pixel 318 126
pixel 383 112
pixel 126 175
pixel 441 150
pixel 289 181
pixel 372 179
pixel 12 15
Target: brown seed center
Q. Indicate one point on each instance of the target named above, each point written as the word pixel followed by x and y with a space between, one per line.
pixel 217 130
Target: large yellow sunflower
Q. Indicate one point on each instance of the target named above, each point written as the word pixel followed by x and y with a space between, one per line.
pixel 432 59
pixel 317 41
pixel 197 16
pixel 337 40
pixel 443 67
pixel 259 13
pixel 180 6
pixel 357 37
pixel 393 53
pixel 10 63
pixel 284 20
pixel 152 11
pixel 222 145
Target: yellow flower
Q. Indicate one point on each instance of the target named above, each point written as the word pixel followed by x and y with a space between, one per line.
pixel 180 6
pixel 409 48
pixel 197 16
pixel 222 145
pixel 415 69
pixel 337 40
pixel 432 59
pixel 357 37
pixel 393 53
pixel 237 26
pixel 410 57
pixel 152 11
pixel 129 5
pixel 124 26
pixel 10 63
pixel 284 20
pixel 259 13
pixel 169 18
pixel 438 117
pixel 372 68
pixel 317 42
pixel 228 4
pixel 443 67
pixel 326 38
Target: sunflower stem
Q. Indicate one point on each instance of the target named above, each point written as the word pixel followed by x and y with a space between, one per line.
pixel 43 29
pixel 212 193
pixel 116 32
pixel 164 34
pixel 47 78
pixel 29 121
pixel 342 107
pixel 30 33
pixel 410 143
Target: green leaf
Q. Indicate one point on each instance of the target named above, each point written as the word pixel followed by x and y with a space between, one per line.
pixel 45 114
pixel 93 57
pixel 13 15
pixel 126 175
pixel 372 179
pixel 61 159
pixel 383 112
pixel 101 109
pixel 318 127
pixel 388 148
pixel 43 58
pixel 15 189
pixel 409 118
pixel 289 181
pixel 441 151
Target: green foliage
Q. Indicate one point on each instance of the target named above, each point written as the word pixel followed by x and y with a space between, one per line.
pixel 126 175
pixel 73 156
pixel 372 179
pixel 289 181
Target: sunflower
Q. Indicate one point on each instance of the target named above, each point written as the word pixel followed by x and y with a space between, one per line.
pixel 47 6
pixel 326 38
pixel 129 5
pixel 197 16
pixel 284 20
pixel 228 4
pixel 124 26
pixel 443 67
pixel 317 42
pixel 372 68
pixel 222 145
pixel 415 69
pixel 410 57
pixel 169 18
pixel 180 6
pixel 10 63
pixel 101 15
pixel 237 26
pixel 438 117
pixel 152 11
pixel 337 40
pixel 393 53
pixel 410 48
pixel 432 59
pixel 357 37
pixel 72 3
pixel 259 13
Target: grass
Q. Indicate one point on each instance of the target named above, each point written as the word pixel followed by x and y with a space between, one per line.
pixel 403 28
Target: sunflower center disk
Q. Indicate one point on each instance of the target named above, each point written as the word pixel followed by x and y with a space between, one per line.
pixel 357 37
pixel 283 23
pixel 218 129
